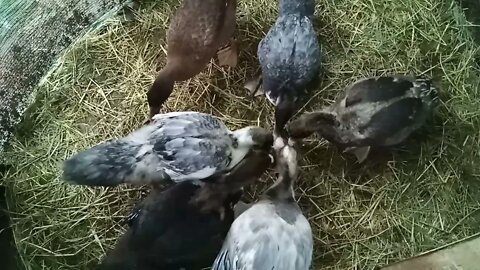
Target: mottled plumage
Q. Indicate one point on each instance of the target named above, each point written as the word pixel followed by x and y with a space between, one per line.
pixel 289 56
pixel 197 31
pixel 272 233
pixel 373 112
pixel 176 146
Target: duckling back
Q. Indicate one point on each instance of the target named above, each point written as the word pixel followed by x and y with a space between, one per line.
pixel 289 56
pixel 384 111
pixel 169 232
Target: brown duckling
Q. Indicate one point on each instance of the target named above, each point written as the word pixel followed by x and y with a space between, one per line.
pixel 198 31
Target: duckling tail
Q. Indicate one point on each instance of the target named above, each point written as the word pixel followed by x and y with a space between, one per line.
pixel 110 164
pixel 426 87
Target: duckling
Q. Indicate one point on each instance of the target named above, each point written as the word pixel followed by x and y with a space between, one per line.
pixel 289 57
pixel 198 31
pixel 272 233
pixel 170 229
pixel 373 112
pixel 175 147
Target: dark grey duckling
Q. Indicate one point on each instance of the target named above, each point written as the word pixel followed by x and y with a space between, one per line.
pixel 373 112
pixel 289 57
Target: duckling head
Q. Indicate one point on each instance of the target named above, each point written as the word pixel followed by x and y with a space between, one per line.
pixel 287 169
pixel 322 122
pixel 253 137
pixel 160 90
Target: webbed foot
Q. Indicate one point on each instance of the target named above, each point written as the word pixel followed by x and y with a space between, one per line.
pixel 228 54
pixel 254 86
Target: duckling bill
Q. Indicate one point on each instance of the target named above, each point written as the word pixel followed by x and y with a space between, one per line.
pixel 174 147
pixel 289 57
pixel 198 31
pixel 373 112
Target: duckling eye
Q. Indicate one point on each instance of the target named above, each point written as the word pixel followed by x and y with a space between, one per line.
pixel 235 142
pixel 229 160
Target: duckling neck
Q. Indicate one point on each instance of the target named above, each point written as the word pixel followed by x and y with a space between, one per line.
pixel 324 123
pixel 161 88
pixel 282 189
pixel 304 7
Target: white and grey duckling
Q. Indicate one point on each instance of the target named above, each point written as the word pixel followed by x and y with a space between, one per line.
pixel 170 230
pixel 289 57
pixel 175 147
pixel 272 233
pixel 373 112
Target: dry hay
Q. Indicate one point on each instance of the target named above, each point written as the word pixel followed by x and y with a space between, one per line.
pixel 423 195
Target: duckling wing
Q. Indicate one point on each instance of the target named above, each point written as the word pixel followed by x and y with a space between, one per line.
pixel 289 52
pixel 191 158
pixel 394 122
pixel 196 27
pixel 377 90
pixel 187 124
pixel 190 145
pixel 383 111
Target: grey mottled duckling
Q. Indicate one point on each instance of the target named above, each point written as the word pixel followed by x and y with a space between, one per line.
pixel 174 147
pixel 373 112
pixel 272 233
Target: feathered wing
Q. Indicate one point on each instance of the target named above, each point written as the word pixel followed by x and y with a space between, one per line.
pixel 376 89
pixel 176 124
pixel 191 145
pixel 392 119
pixel 193 158
pixel 383 110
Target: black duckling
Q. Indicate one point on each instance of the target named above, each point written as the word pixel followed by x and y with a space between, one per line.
pixel 289 57
pixel 272 233
pixel 170 230
pixel 198 31
pixel 178 146
pixel 373 112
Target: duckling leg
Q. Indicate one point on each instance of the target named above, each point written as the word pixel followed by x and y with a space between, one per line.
pixel 254 86
pixel 228 55
pixel 361 153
